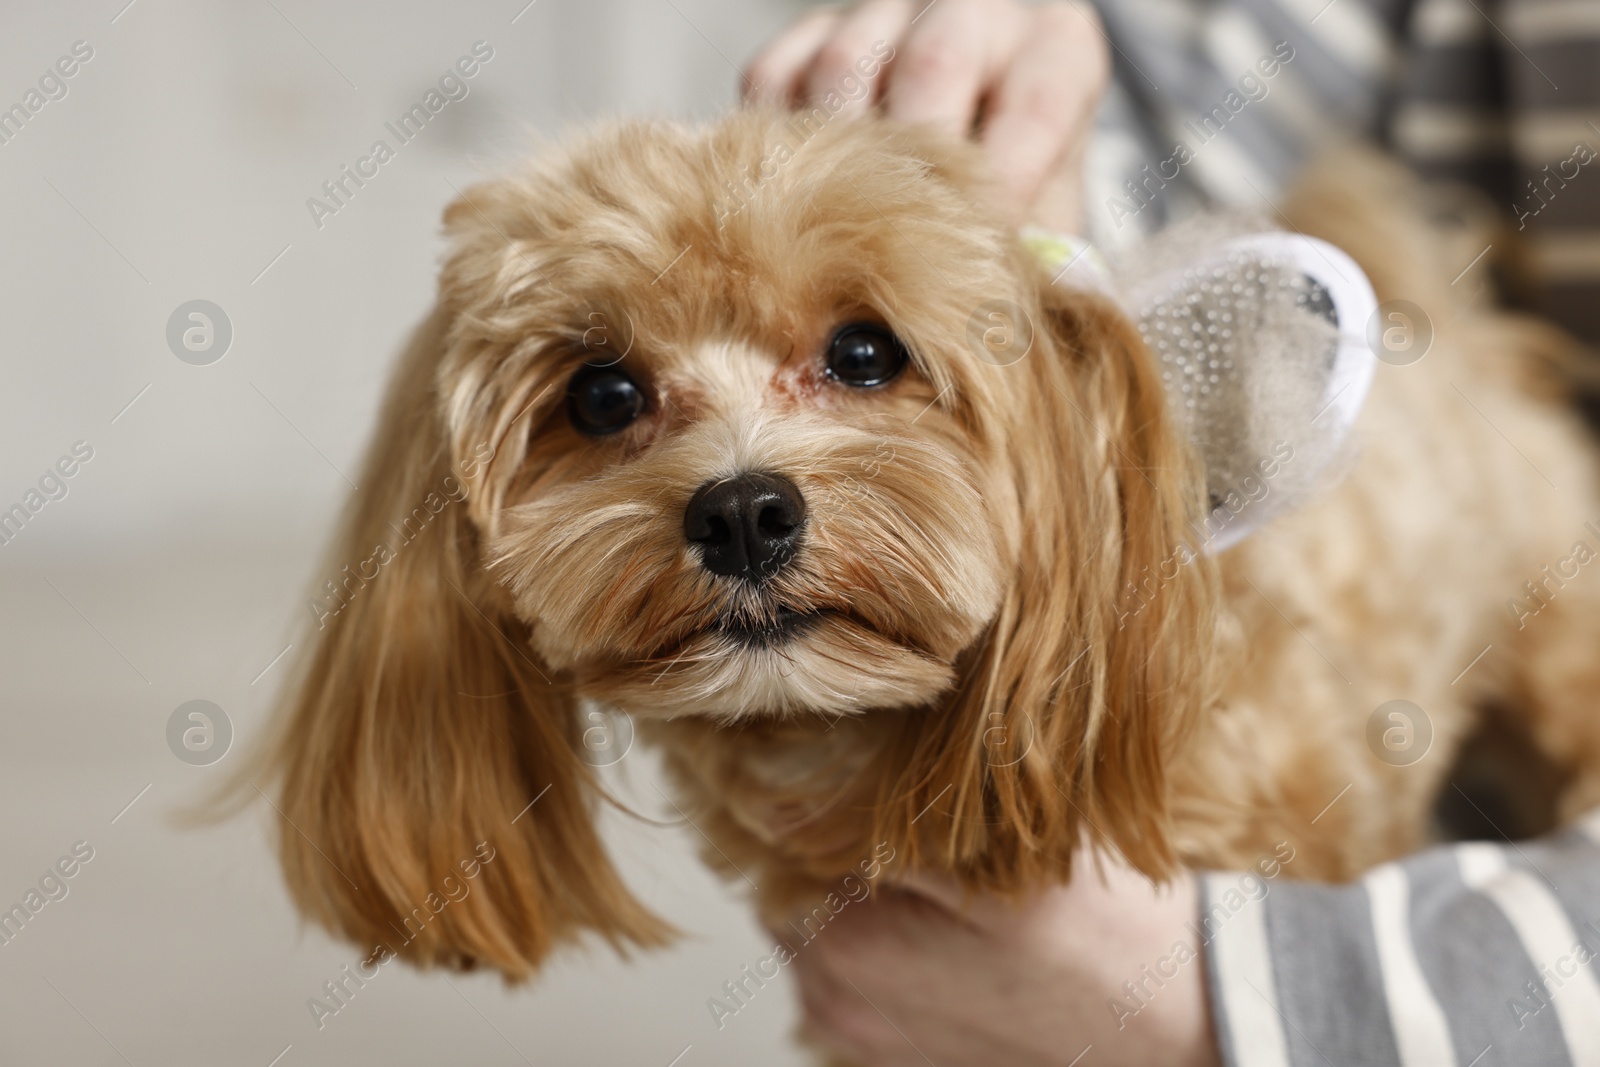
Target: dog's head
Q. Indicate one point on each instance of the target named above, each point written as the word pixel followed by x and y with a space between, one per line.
pixel 768 419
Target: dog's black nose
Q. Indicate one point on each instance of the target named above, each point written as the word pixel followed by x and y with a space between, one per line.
pixel 746 526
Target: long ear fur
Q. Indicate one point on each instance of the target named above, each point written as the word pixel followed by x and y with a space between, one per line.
pixel 420 730
pixel 1097 661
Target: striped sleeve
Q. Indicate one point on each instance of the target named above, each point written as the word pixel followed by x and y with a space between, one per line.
pixel 1221 101
pixel 1505 95
pixel 1466 956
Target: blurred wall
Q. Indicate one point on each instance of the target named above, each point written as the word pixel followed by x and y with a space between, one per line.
pixel 174 165
pixel 178 166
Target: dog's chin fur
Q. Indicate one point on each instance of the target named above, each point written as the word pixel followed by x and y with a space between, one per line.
pixel 967 664
pixel 840 666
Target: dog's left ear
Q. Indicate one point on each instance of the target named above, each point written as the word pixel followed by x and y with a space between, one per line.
pixel 1148 432
pixel 1071 704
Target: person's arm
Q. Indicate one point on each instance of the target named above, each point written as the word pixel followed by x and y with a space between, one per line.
pixel 1024 80
pixel 1437 959
pixel 1471 955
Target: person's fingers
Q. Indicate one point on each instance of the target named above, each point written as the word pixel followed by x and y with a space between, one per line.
pixel 1043 109
pixel 952 51
pixel 777 74
pixel 850 61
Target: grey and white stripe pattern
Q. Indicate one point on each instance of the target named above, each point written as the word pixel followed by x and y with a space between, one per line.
pixel 1499 94
pixel 1472 955
pixel 1466 956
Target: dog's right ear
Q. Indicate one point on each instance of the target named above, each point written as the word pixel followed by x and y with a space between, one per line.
pixel 431 799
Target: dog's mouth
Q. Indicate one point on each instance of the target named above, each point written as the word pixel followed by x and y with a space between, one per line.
pixel 764 655
pixel 783 626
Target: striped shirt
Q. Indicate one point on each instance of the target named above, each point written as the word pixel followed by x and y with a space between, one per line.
pixel 1472 954
pixel 1469 955
pixel 1503 95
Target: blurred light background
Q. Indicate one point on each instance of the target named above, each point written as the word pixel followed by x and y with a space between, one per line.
pixel 176 567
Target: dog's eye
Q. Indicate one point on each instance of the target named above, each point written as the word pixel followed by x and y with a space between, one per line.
pixel 863 354
pixel 602 400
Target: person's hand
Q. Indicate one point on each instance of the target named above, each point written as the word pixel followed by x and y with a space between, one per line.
pixel 1024 79
pixel 914 974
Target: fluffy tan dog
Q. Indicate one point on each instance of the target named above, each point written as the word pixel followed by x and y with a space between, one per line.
pixel 734 468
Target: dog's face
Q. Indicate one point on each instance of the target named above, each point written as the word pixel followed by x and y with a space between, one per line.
pixel 745 431
pixel 747 461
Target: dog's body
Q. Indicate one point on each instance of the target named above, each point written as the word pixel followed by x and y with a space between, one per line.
pixel 945 664
pixel 1444 570
pixel 1391 585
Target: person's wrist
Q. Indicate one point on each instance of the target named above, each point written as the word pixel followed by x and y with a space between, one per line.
pixel 1152 1004
pixel 1177 1012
